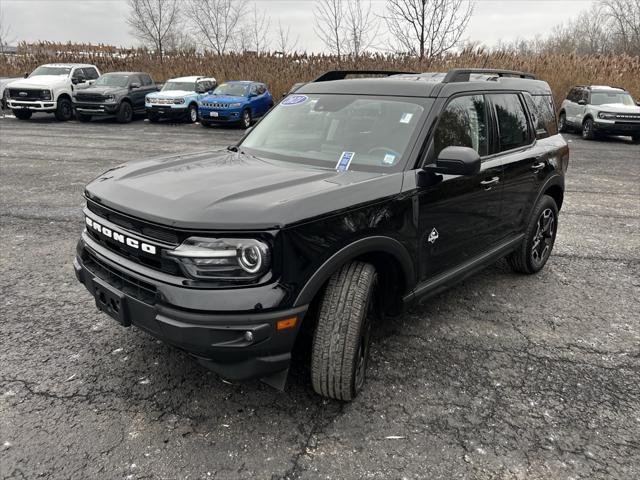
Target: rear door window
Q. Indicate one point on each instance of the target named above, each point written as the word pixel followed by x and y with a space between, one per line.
pixel 463 123
pixel 543 112
pixel 511 118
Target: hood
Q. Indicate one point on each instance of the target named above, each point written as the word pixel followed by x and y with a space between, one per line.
pixel 224 98
pixel 104 89
pixel 225 190
pixel 619 108
pixel 39 81
pixel 171 94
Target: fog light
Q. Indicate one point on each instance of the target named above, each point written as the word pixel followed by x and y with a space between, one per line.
pixel 248 336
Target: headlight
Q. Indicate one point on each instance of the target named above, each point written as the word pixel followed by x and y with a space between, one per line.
pixel 46 94
pixel 230 259
pixel 178 101
pixel 109 98
pixel 607 115
pixel 151 100
pixel 234 105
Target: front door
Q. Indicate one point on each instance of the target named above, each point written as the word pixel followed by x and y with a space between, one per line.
pixel 459 215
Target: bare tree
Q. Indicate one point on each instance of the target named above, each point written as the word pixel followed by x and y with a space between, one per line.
pixel 258 30
pixel 362 27
pixel 154 22
pixel 330 19
pixel 428 28
pixel 624 17
pixel 5 32
pixel 218 23
pixel 284 43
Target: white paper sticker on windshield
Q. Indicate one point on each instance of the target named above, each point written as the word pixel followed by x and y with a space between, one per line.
pixel 345 161
pixel 389 159
pixel 406 117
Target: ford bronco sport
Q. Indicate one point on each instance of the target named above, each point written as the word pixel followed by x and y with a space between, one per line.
pixel 600 110
pixel 350 199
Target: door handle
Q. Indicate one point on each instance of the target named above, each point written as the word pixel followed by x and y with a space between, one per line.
pixel 489 183
pixel 536 167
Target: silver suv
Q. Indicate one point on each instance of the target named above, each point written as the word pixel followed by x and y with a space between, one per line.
pixel 596 110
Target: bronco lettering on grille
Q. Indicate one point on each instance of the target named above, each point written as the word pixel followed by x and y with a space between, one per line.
pixel 120 238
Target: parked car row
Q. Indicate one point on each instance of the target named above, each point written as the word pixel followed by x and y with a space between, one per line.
pixel 68 89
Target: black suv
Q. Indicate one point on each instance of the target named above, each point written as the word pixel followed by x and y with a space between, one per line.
pixel 118 93
pixel 349 200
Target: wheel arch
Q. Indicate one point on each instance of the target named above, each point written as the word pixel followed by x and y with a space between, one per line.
pixel 556 192
pixel 64 95
pixel 389 256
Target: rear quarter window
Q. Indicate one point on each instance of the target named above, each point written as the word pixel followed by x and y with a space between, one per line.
pixel 543 115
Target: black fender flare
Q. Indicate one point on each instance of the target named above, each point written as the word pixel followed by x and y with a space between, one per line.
pixel 554 181
pixel 374 244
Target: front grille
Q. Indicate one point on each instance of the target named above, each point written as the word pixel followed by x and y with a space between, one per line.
pixel 161 101
pixel 89 97
pixel 28 94
pixel 215 105
pixel 627 116
pixel 138 289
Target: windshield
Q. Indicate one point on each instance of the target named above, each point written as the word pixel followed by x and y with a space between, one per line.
pixel 44 70
pixel 113 80
pixel 186 86
pixel 234 89
pixel 602 98
pixel 346 132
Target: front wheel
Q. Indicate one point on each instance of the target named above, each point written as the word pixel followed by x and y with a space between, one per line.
pixel 562 123
pixel 588 130
pixel 125 113
pixel 342 336
pixel 192 116
pixel 246 118
pixel 64 111
pixel 540 236
pixel 22 114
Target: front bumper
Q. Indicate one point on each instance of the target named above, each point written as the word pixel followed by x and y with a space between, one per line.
pixel 36 106
pixel 96 108
pixel 167 111
pixel 237 345
pixel 610 127
pixel 215 115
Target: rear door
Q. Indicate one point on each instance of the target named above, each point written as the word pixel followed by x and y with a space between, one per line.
pixel 523 159
pixel 459 215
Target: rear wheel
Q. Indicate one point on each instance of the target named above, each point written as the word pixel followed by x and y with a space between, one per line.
pixel 64 111
pixel 562 123
pixel 22 114
pixel 192 116
pixel 342 337
pixel 82 117
pixel 125 113
pixel 533 253
pixel 588 129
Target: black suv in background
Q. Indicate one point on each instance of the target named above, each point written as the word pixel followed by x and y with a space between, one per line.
pixel 349 200
pixel 118 93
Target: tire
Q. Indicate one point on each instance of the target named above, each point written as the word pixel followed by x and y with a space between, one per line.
pixel 246 118
pixel 588 132
pixel 22 114
pixel 125 113
pixel 562 123
pixel 82 117
pixel 635 138
pixel 192 114
pixel 540 236
pixel 206 124
pixel 342 336
pixel 64 111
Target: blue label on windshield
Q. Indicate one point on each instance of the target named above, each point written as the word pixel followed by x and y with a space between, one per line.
pixel 345 161
pixel 294 100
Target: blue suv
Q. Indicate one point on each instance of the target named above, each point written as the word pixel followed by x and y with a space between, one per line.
pixel 237 102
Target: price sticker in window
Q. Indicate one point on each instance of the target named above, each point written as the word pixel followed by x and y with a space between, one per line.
pixel 345 161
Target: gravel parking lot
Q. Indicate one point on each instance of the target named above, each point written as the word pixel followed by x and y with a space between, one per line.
pixel 503 376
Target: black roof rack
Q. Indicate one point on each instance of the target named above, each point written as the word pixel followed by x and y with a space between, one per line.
pixel 464 74
pixel 342 74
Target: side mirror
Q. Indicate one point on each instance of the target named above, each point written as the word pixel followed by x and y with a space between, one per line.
pixel 638 103
pixel 456 161
pixel 582 102
pixel 252 94
pixel 134 85
pixel 74 81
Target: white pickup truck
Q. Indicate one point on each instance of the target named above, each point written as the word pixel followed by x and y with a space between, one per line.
pixel 49 89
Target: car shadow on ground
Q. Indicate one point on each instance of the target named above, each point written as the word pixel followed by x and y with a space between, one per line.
pixel 600 139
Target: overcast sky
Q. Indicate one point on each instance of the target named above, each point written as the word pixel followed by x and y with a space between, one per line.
pixel 103 21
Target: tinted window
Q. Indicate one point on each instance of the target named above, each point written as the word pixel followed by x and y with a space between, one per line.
pixel 463 123
pixel 78 73
pixel 254 90
pixel 91 73
pixel 573 95
pixel 513 128
pixel 543 112
pixel 135 79
pixel 146 80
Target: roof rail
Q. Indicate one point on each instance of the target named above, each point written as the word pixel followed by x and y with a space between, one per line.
pixel 464 74
pixel 342 74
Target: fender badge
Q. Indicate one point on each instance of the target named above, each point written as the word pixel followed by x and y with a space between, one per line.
pixel 433 236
